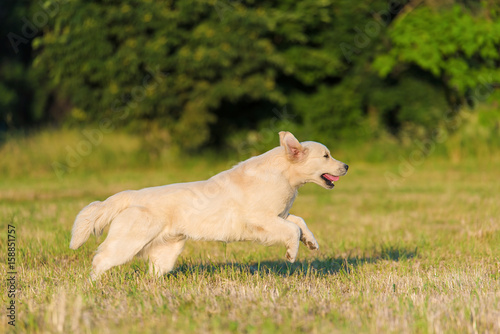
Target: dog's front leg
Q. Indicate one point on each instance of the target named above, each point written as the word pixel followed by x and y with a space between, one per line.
pixel 275 230
pixel 307 236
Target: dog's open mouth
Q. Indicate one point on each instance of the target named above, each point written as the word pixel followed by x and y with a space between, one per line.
pixel 329 179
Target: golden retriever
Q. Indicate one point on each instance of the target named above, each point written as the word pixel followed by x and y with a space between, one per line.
pixel 250 201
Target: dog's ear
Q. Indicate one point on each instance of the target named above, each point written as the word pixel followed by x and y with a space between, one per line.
pixel 282 135
pixel 294 150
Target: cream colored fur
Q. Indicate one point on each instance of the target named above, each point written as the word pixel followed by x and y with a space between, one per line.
pixel 251 201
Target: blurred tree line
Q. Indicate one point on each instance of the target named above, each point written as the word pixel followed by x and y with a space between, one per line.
pixel 195 73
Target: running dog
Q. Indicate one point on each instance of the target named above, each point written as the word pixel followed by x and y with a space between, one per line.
pixel 249 202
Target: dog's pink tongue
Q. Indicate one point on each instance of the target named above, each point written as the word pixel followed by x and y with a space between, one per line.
pixel 331 177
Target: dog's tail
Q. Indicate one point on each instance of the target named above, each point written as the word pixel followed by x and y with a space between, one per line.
pixel 96 216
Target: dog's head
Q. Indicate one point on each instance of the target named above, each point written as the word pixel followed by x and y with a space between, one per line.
pixel 311 161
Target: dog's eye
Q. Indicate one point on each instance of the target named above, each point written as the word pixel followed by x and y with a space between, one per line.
pixel 326 155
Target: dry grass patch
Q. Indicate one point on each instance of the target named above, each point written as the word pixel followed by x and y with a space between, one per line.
pixel 421 258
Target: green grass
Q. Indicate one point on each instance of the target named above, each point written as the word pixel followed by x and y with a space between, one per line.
pixel 422 257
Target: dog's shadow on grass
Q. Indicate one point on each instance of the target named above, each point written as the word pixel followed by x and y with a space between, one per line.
pixel 324 266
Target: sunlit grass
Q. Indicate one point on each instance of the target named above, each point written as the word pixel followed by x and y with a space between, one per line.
pixel 422 257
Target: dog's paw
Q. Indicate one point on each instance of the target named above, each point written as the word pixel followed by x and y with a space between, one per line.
pixel 312 245
pixel 310 242
pixel 289 257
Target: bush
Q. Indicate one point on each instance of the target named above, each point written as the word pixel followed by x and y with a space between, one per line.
pixel 191 73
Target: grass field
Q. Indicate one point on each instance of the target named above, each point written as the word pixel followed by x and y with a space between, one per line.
pixel 422 257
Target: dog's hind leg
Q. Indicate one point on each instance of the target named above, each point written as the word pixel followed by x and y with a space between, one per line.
pixel 130 231
pixel 307 236
pixel 162 256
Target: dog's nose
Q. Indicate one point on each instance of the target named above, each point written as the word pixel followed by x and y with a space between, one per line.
pixel 346 167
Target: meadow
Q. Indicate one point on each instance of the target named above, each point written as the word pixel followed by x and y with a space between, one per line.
pixel 419 256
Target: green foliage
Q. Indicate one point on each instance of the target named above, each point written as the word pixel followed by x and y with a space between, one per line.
pixel 16 84
pixel 195 73
pixel 203 56
pixel 458 47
